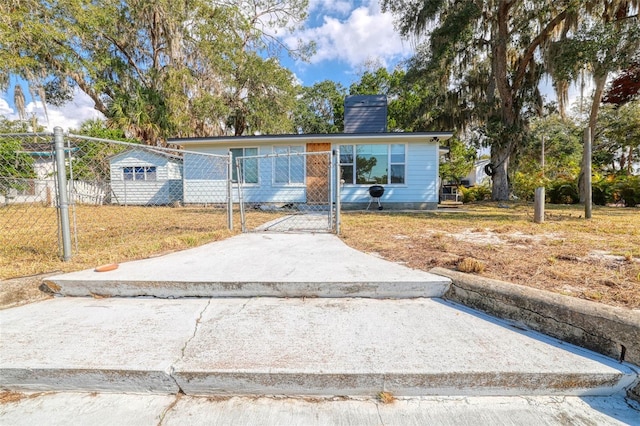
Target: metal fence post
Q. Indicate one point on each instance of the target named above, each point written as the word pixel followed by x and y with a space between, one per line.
pixel 588 194
pixel 338 182
pixel 538 210
pixel 229 192
pixel 63 201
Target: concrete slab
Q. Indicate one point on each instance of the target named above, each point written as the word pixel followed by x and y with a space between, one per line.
pixel 110 409
pixel 302 222
pixel 126 345
pixel 268 265
pixel 277 346
pixel 364 346
pixel 419 411
pixel 83 409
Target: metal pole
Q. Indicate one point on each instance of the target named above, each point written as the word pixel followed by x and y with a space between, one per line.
pixel 63 202
pixel 336 162
pixel 542 157
pixel 330 175
pixel 240 194
pixel 538 210
pixel 229 192
pixel 588 195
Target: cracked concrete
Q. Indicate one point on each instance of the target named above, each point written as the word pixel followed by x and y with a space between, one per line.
pixel 124 345
pixel 71 409
pixel 195 329
pixel 288 347
pixel 354 342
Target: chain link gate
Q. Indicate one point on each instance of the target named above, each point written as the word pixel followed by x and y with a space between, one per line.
pixel 288 191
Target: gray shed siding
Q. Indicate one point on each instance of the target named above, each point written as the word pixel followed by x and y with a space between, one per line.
pixel 365 114
pixel 166 189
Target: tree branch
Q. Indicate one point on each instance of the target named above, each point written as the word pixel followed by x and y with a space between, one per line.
pixel 130 60
pixel 537 41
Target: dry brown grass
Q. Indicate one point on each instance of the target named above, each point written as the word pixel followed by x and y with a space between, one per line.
pixel 470 265
pixel 597 259
pixel 105 234
pixel 386 397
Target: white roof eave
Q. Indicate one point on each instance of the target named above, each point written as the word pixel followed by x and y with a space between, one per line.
pixel 435 137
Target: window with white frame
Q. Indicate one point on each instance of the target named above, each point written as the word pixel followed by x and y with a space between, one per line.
pixel 148 173
pixel 370 164
pixel 248 166
pixel 288 165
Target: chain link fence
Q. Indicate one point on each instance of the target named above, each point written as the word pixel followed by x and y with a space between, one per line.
pixel 116 200
pixel 287 191
pixel 141 191
pixel 96 201
pixel 28 194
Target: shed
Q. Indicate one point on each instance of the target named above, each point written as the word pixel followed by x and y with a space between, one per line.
pixel 145 177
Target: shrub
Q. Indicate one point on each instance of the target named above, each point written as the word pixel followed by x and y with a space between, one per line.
pixel 525 184
pixel 602 191
pixel 627 190
pixel 563 191
pixel 475 193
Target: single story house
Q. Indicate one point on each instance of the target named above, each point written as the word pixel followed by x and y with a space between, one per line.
pixel 478 175
pixel 145 177
pixel 39 189
pixel 405 164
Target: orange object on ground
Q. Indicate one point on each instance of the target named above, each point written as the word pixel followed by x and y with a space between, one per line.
pixel 105 268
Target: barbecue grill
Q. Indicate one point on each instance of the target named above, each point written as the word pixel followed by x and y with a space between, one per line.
pixel 375 192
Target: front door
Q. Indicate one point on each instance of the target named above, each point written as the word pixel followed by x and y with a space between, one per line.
pixel 318 171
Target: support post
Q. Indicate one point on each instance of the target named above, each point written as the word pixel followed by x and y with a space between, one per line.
pixel 338 183
pixel 538 211
pixel 542 165
pixel 230 192
pixel 588 191
pixel 63 200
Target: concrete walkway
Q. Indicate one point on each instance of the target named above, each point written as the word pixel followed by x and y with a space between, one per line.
pixel 276 346
pixel 377 327
pixel 260 264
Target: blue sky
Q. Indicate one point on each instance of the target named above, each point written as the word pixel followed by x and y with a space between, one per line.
pixel 348 34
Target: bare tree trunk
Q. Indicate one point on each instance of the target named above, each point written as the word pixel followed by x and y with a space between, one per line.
pixel 500 188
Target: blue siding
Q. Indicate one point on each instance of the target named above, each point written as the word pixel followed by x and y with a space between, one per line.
pixel 203 184
pixel 205 181
pixel 205 177
pixel 421 173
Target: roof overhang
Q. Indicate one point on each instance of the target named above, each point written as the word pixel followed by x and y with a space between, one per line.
pixel 337 138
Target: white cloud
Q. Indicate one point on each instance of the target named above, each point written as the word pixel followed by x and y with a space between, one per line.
pixel 365 34
pixel 6 110
pixel 69 116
